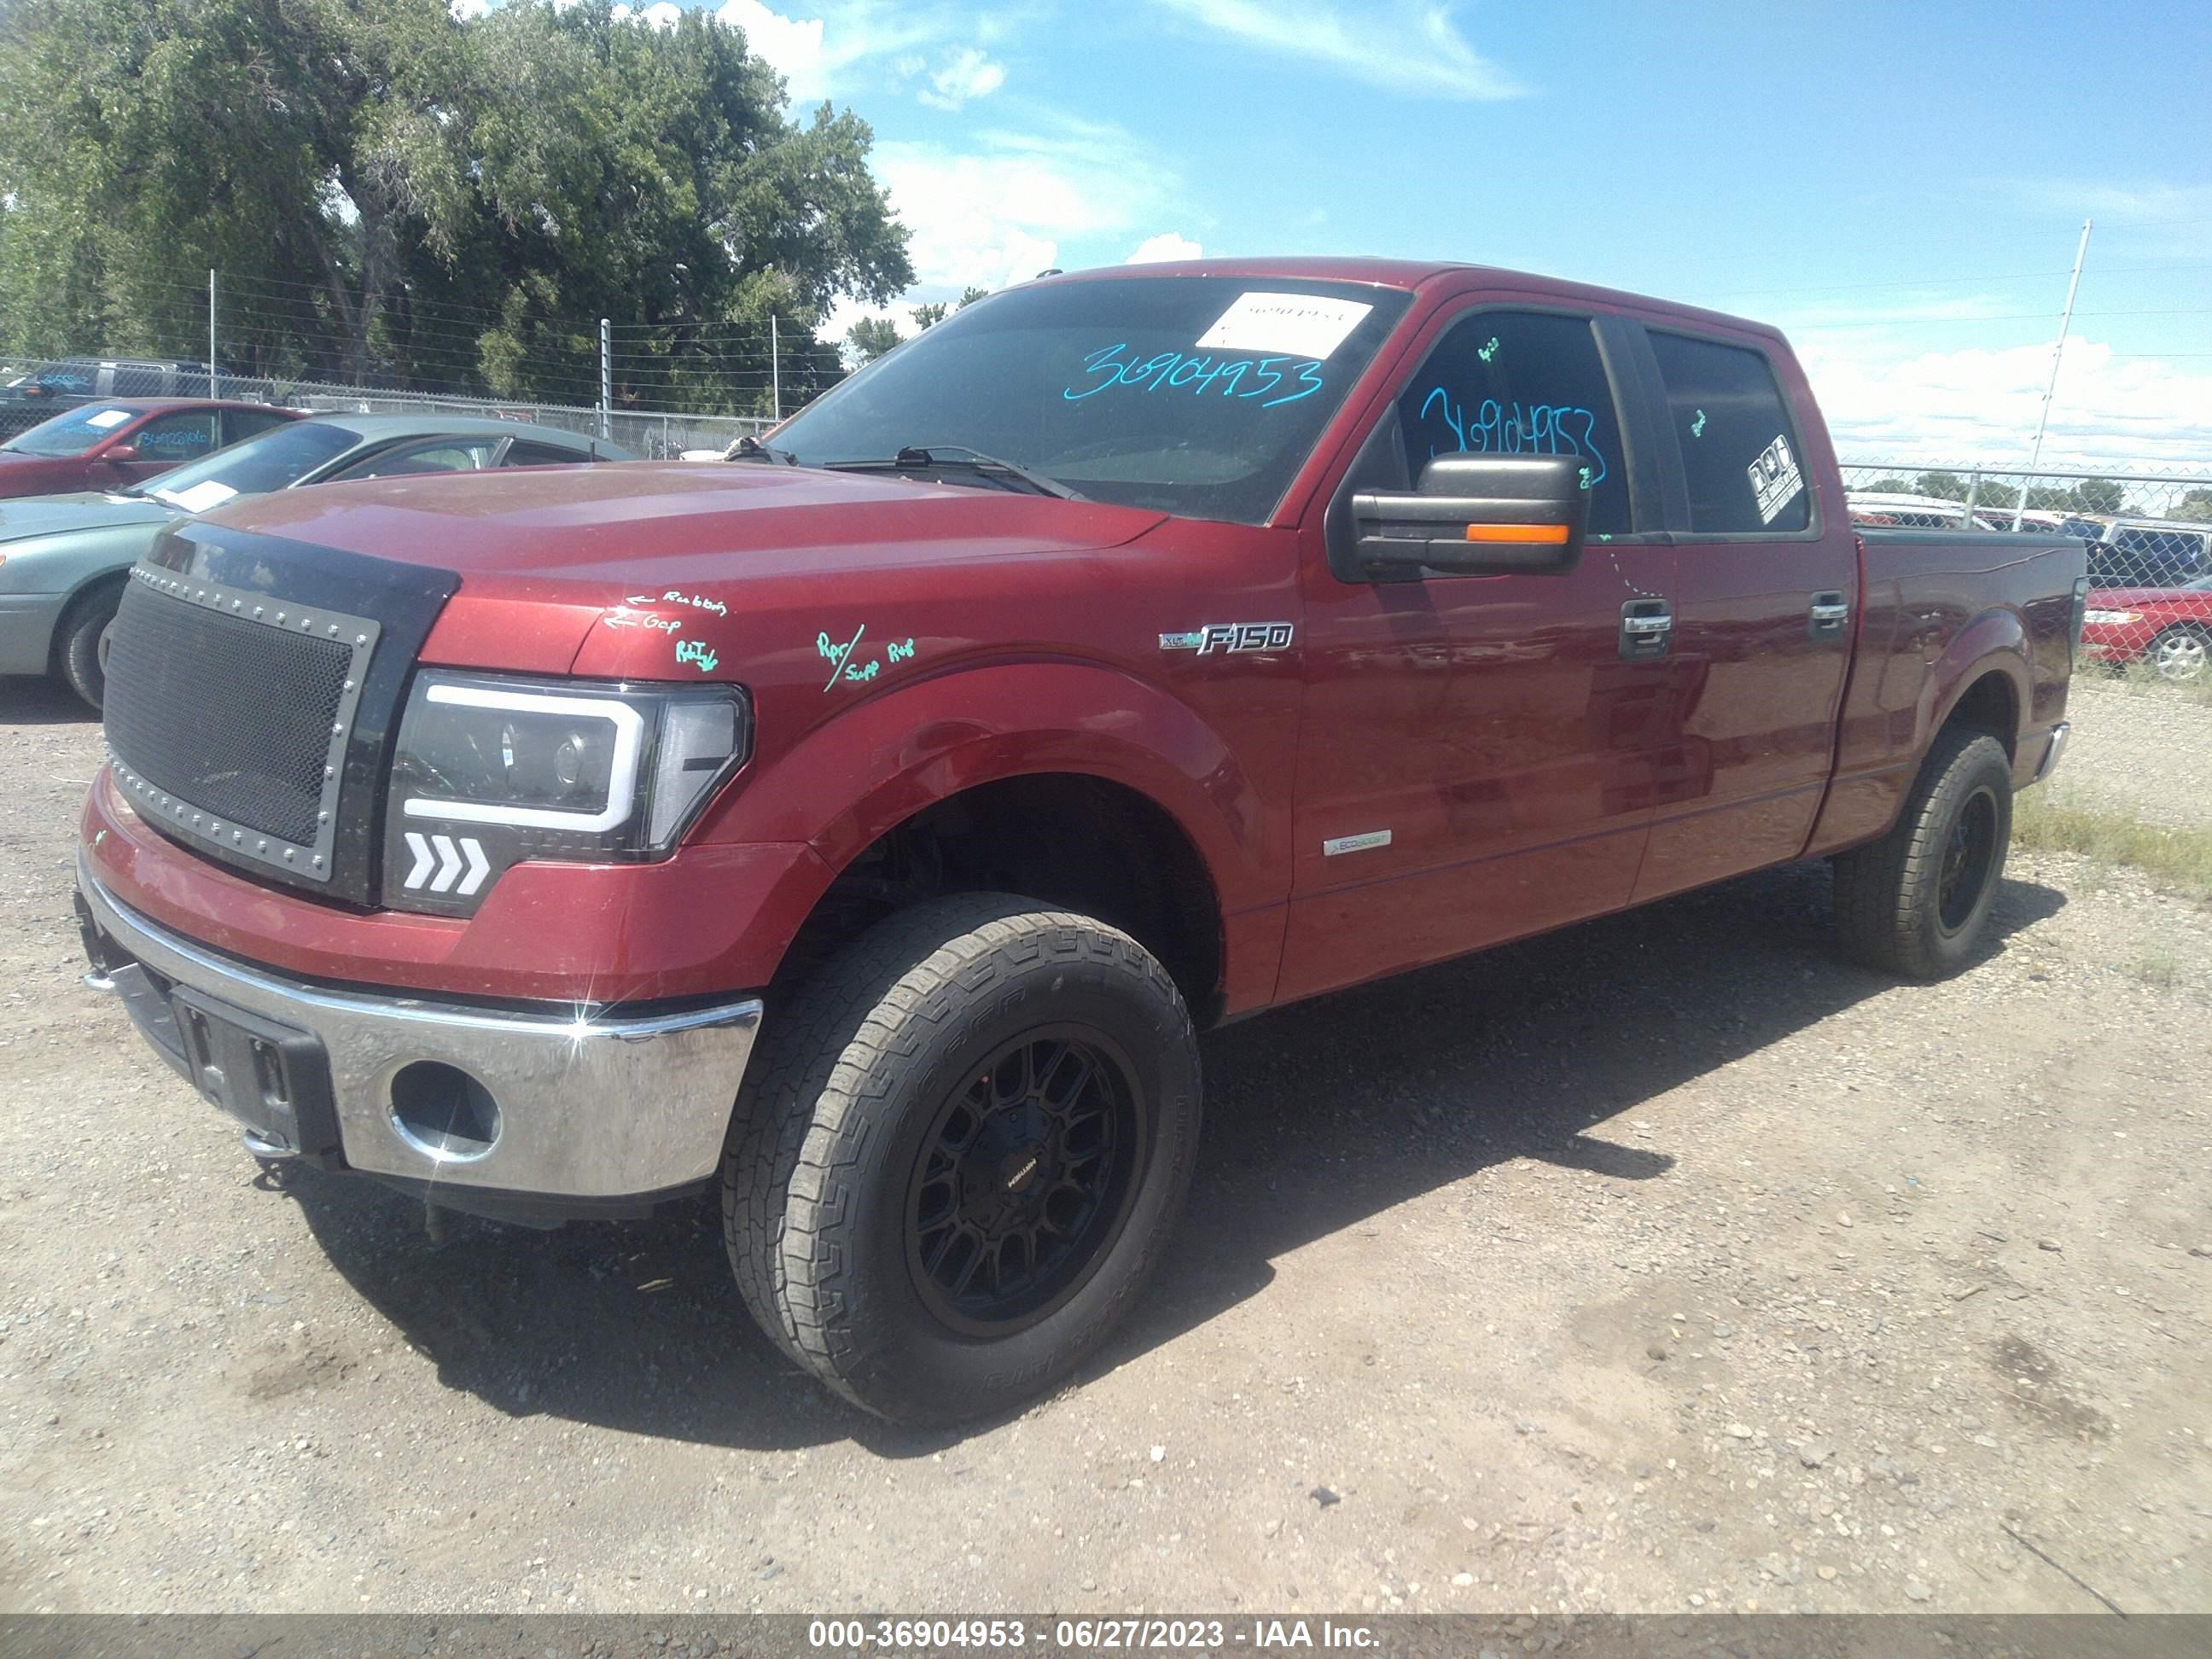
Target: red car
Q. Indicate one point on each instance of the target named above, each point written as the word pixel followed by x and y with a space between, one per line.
pixel 124 440
pixel 2168 628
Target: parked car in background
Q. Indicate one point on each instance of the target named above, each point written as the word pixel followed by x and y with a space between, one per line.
pixel 2034 519
pixel 111 444
pixel 63 558
pixel 1884 508
pixel 2169 629
pixel 2150 553
pixel 29 394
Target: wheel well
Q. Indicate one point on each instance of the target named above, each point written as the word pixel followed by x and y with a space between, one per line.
pixel 1082 843
pixel 88 592
pixel 1988 706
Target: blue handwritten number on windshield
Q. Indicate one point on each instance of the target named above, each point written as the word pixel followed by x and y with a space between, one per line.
pixel 1513 430
pixel 1111 367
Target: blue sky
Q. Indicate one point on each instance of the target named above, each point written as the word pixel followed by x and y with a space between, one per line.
pixel 1900 187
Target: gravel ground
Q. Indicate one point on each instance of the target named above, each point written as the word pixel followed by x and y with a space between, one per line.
pixel 1664 1264
pixel 2146 747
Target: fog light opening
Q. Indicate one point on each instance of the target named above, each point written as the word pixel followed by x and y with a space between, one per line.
pixel 443 1113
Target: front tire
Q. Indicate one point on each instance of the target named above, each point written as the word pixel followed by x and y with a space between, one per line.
pixel 959 1154
pixel 1917 902
pixel 77 641
pixel 2181 654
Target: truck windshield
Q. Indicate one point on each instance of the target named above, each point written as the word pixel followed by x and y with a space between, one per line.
pixel 1199 396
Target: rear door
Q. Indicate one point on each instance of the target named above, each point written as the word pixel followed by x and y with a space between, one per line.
pixel 1766 586
pixel 1477 754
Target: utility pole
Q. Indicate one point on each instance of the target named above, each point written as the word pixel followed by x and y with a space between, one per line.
pixel 212 391
pixel 606 380
pixel 774 370
pixel 2042 419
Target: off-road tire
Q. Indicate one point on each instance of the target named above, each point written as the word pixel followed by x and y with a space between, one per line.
pixel 837 1110
pixel 77 640
pixel 1890 895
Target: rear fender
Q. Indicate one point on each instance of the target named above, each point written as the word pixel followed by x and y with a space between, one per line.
pixel 1993 642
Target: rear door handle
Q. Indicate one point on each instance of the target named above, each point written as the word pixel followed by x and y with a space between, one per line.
pixel 1828 616
pixel 1647 630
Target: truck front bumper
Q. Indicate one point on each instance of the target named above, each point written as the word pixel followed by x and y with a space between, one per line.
pixel 531 1116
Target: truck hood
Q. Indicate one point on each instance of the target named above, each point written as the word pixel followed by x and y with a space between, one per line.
pixel 543 554
pixel 49 515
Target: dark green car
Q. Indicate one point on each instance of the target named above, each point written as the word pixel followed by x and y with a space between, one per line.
pixel 63 558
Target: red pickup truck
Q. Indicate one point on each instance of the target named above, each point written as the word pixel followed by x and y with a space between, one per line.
pixel 870 824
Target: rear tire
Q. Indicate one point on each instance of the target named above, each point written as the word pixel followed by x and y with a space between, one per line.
pixel 959 1154
pixel 77 640
pixel 1917 902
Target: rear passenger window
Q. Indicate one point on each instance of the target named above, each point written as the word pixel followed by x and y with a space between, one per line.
pixel 1520 383
pixel 1739 453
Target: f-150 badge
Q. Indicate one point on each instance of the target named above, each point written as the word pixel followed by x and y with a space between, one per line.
pixel 1231 637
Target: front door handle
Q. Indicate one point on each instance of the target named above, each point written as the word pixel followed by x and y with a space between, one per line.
pixel 1647 630
pixel 1828 616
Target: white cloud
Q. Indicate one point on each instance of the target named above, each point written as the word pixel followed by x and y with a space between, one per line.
pixel 1000 211
pixel 1404 46
pixel 1979 406
pixel 968 74
pixel 661 15
pixel 1169 245
pixel 466 10
pixel 814 53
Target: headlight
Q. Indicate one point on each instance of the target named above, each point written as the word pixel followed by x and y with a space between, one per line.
pixel 491 771
pixel 2112 617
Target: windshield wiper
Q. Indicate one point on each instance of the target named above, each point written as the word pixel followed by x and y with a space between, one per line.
pixel 749 448
pixel 914 458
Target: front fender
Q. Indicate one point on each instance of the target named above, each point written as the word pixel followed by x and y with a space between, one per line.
pixel 854 778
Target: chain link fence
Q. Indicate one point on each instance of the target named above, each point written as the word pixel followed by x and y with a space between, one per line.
pixel 2150 547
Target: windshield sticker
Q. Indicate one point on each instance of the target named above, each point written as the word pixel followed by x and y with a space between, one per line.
pixel 844 666
pixel 1231 637
pixel 1198 375
pixel 1295 324
pixel 106 418
pixel 1775 480
pixel 1698 426
pixel 201 497
pixel 1515 429
pixel 695 652
pixel 1486 352
pixel 677 596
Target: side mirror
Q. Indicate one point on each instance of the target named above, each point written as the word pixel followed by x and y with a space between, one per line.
pixel 124 454
pixel 1477 516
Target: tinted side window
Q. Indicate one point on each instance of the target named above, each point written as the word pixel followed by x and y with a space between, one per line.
pixel 1739 453
pixel 523 453
pixel 440 455
pixel 1520 383
pixel 241 424
pixel 137 380
pixel 180 437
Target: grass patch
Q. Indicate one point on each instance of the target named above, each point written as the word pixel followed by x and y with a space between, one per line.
pixel 2140 679
pixel 2177 857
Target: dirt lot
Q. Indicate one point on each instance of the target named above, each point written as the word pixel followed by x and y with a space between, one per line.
pixel 1661 1265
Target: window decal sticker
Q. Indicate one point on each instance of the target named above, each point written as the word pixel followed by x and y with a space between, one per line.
pixel 1775 480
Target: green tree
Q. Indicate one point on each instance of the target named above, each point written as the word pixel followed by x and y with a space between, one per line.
pixel 391 192
pixel 2098 495
pixel 1994 493
pixel 969 296
pixel 2195 505
pixel 1947 485
pixel 870 338
pixel 1891 485
pixel 930 315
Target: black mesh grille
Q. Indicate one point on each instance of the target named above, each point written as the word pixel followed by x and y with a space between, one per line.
pixel 232 716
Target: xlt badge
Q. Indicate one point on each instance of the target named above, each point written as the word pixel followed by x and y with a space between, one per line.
pixel 1231 636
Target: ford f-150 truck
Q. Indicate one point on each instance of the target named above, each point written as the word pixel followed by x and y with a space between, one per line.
pixel 870 823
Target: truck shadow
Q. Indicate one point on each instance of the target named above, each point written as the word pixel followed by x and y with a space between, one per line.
pixel 1318 1118
pixel 28 702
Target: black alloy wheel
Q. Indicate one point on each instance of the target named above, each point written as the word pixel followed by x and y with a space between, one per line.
pixel 1026 1180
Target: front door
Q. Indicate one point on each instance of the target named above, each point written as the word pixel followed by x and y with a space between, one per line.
pixel 1478 754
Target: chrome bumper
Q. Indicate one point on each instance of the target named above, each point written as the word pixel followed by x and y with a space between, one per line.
pixel 2051 756
pixel 594 1106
